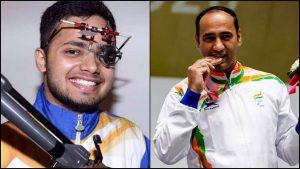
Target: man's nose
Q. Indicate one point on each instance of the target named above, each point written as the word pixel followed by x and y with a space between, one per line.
pixel 89 63
pixel 218 45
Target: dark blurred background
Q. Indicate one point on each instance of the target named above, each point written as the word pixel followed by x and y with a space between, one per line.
pixel 270 32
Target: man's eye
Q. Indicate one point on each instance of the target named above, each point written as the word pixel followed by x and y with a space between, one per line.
pixel 209 39
pixel 72 52
pixel 226 37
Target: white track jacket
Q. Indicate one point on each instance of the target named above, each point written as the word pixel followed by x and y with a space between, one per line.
pixel 248 125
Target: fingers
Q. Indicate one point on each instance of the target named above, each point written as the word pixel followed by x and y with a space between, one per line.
pixel 217 61
pixel 199 70
pixel 213 60
pixel 210 62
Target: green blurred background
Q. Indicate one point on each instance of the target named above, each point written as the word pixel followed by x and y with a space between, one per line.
pixel 270 32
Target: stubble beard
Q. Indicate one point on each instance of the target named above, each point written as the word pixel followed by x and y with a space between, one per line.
pixel 82 105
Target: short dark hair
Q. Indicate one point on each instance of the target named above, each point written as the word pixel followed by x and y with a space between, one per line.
pixel 63 9
pixel 221 8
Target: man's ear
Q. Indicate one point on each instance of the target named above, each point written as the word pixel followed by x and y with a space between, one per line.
pixel 197 41
pixel 40 59
pixel 239 37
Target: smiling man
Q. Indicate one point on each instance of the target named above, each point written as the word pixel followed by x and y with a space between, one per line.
pixel 77 76
pixel 225 114
pixel 77 58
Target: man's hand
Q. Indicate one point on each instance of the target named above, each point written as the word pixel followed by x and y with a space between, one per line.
pixel 198 71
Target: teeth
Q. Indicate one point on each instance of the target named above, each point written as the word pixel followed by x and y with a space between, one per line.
pixel 219 55
pixel 83 82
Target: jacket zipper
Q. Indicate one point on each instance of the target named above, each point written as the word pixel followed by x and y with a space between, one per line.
pixel 79 128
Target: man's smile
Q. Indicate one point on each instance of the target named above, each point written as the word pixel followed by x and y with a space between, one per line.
pixel 85 84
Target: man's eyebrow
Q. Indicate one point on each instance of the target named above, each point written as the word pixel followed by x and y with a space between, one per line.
pixel 208 34
pixel 226 33
pixel 78 44
pixel 84 45
pixel 213 34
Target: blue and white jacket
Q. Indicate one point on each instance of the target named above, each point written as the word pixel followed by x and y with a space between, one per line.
pixel 123 143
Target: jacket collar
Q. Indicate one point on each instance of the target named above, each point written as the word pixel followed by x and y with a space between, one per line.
pixel 64 119
pixel 218 82
pixel 221 77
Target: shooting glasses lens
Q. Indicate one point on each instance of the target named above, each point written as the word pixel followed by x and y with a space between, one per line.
pixel 109 55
